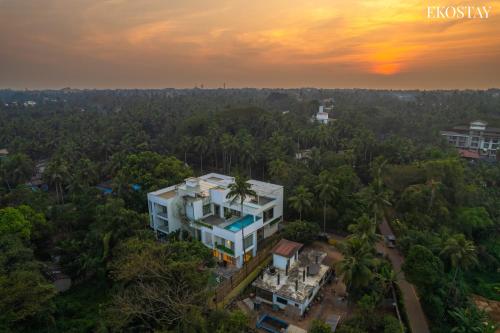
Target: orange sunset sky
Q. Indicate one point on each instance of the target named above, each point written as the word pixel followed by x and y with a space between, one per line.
pixel 271 43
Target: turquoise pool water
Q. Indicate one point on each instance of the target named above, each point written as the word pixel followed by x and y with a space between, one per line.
pixel 240 224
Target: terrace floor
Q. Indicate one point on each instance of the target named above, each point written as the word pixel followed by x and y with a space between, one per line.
pixel 213 220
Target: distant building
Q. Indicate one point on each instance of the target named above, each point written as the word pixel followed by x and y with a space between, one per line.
pixel 29 103
pixel 476 137
pixel 37 181
pixel 303 154
pixel 294 278
pixel 4 153
pixel 322 115
pixel 325 112
pixel 200 206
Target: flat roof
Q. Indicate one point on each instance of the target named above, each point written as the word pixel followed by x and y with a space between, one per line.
pixel 286 248
pixel 297 285
pixel 263 187
pixel 167 195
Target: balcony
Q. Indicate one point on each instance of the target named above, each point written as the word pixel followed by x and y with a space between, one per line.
pixel 163 215
pixel 225 249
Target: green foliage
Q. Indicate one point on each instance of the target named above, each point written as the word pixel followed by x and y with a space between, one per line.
pixel 301 231
pixel 471 320
pixel 319 326
pixel 471 220
pixel 25 294
pixel 301 200
pixel 163 284
pixel 423 268
pixel 220 321
pixel 357 264
pixel 12 222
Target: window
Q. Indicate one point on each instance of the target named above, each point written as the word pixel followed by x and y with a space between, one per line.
pixel 281 300
pixel 216 210
pixel 248 241
pixel 268 214
pixel 206 209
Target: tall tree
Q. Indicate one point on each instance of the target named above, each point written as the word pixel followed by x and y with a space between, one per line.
pixel 327 191
pixel 301 200
pixel 365 229
pixel 461 253
pixel 240 190
pixel 356 265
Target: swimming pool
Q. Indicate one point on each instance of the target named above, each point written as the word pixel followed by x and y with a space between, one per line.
pixel 240 223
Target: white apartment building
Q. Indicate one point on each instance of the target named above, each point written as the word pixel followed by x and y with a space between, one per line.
pixel 477 137
pixel 200 206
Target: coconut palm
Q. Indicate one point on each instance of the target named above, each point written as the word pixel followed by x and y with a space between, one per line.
pixel 228 143
pixel 240 190
pixel 213 134
pixel 327 191
pixel 201 147
pixel 365 230
pixel 434 186
pixel 356 266
pixel 380 196
pixel 301 200
pixel 460 252
pixel 57 174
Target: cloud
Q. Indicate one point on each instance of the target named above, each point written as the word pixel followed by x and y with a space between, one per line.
pixel 285 42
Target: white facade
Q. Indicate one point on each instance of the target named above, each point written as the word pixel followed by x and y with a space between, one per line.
pixel 322 116
pixel 477 137
pixel 200 206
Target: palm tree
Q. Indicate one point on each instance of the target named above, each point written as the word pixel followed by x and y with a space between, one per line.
pixel 471 320
pixel 184 145
pixel 278 170
pixel 301 200
pixel 365 230
pixel 434 185
pixel 201 147
pixel 356 264
pixel 56 174
pixel 213 134
pixel 228 143
pixel 379 195
pixel 241 190
pixel 326 192
pixel 461 253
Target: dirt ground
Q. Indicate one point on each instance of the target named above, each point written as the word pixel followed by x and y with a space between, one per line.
pixel 489 306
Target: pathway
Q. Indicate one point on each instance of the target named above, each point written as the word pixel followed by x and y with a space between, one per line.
pixel 416 316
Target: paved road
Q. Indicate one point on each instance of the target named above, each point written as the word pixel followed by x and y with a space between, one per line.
pixel 416 316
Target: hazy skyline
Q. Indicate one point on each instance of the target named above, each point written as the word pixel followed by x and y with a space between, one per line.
pixel 273 43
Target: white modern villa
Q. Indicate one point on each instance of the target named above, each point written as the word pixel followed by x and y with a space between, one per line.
pixel 200 206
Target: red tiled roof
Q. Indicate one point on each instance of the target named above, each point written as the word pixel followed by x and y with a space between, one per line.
pixel 468 153
pixel 286 248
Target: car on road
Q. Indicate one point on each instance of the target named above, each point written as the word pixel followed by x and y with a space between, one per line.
pixel 390 240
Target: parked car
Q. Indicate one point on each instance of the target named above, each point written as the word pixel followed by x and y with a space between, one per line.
pixel 390 240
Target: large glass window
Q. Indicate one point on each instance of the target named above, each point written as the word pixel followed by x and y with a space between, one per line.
pixel 248 241
pixel 268 214
pixel 206 209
